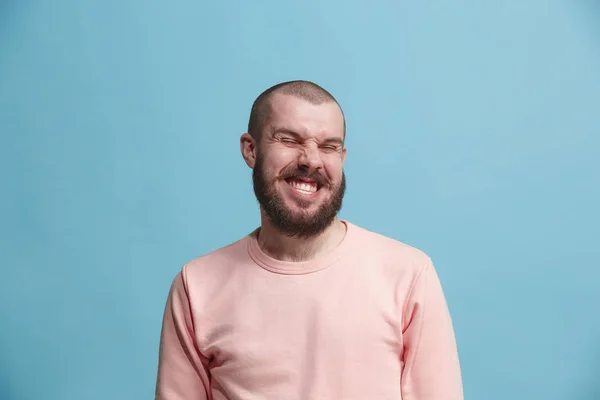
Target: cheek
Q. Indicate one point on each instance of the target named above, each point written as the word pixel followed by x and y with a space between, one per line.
pixel 333 168
pixel 271 168
pixel 280 159
pixel 285 155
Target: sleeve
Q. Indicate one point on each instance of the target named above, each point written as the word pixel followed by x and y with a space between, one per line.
pixel 431 364
pixel 182 369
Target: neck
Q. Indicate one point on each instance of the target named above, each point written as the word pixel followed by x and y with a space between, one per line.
pixel 285 248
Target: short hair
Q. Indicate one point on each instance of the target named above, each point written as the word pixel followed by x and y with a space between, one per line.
pixel 305 90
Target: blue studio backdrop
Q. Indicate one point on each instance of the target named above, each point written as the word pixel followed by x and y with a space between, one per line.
pixel 473 134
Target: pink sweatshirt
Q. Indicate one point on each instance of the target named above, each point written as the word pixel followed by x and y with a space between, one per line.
pixel 367 321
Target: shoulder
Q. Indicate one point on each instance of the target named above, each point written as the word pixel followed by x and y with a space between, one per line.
pixel 214 267
pixel 390 252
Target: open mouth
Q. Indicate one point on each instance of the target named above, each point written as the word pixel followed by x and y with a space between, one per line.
pixel 304 186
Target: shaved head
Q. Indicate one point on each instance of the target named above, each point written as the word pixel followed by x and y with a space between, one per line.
pixel 305 90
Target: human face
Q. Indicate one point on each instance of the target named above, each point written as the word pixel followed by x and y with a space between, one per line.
pixel 298 176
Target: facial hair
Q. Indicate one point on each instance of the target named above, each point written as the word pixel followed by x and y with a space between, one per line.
pixel 297 224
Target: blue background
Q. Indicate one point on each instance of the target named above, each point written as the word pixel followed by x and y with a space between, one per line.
pixel 473 134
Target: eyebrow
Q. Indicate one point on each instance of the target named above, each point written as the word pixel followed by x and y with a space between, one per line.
pixel 295 135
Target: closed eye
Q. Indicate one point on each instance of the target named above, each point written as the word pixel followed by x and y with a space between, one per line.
pixel 330 148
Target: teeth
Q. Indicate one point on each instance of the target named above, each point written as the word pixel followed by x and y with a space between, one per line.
pixel 305 188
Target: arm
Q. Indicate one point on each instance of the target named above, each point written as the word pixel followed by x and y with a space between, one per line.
pixel 182 370
pixel 431 364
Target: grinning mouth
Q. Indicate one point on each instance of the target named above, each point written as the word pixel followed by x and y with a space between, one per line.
pixel 304 186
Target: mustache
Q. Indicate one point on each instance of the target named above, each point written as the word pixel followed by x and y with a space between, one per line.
pixel 295 173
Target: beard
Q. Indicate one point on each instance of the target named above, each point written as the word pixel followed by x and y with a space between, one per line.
pixel 299 224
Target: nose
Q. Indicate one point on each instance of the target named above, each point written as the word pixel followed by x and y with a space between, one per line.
pixel 310 159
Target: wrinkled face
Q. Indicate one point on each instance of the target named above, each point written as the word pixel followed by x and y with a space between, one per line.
pixel 298 176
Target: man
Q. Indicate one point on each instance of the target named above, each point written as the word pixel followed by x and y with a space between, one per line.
pixel 307 306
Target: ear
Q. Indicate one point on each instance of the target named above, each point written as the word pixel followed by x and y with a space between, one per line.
pixel 248 148
pixel 344 155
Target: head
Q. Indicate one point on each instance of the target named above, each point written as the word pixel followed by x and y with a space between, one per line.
pixel 295 147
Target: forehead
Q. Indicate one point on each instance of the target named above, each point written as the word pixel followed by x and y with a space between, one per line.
pixel 304 118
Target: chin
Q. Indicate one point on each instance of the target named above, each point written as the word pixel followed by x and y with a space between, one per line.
pixel 303 206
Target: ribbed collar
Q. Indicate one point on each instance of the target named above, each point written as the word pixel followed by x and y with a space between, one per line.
pixel 303 267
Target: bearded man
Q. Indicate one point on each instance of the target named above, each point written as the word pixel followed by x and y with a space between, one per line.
pixel 308 306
